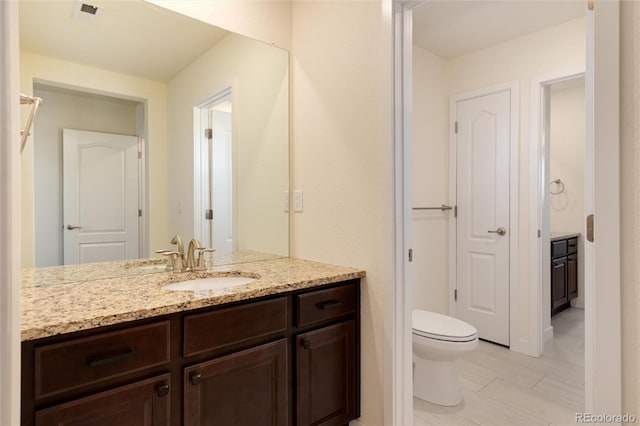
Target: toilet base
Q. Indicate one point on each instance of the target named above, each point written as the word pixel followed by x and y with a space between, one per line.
pixel 436 382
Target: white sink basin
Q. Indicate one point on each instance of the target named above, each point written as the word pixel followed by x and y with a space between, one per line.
pixel 209 283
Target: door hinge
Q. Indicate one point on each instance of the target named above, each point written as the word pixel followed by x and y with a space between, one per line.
pixel 590 228
pixel 139 212
pixel 455 211
pixel 539 233
pixel 410 255
pixel 208 133
pixel 139 155
pixel 455 295
pixel 208 214
pixel 455 127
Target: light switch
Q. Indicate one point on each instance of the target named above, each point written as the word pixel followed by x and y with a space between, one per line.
pixel 298 201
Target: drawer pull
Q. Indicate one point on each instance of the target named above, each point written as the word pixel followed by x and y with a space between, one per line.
pixel 162 390
pixel 305 343
pixel 196 379
pixel 328 304
pixel 96 362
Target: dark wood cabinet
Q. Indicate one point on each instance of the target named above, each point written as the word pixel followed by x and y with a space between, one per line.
pixel 564 273
pixel 144 403
pixel 287 359
pixel 244 388
pixel 325 391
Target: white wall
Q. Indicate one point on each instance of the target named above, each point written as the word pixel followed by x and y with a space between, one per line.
pixel 566 162
pixel 66 110
pixel 343 160
pixel 37 68
pixel 430 181
pixel 556 48
pixel 567 158
pixel 258 76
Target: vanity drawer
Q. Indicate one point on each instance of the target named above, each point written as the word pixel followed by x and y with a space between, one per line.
pixel 572 245
pixel 558 248
pixel 224 327
pixel 323 305
pixel 68 365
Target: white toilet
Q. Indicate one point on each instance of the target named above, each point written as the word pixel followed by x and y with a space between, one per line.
pixel 437 341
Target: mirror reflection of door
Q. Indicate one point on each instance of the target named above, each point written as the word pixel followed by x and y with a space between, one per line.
pixel 217 173
pixel 100 197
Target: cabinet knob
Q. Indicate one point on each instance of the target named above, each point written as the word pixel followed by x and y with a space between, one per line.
pixel 196 379
pixel 305 343
pixel 162 390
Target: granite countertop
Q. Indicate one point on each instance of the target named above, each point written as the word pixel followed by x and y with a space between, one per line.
pixel 65 299
pixel 555 236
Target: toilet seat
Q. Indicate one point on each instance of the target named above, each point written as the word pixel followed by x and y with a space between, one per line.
pixel 442 327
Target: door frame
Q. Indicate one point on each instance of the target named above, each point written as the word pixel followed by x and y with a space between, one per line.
pixel 539 220
pixel 515 342
pixel 10 219
pixel 201 182
pixel 604 357
pixel 398 355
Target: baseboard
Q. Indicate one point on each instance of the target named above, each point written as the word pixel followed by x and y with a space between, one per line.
pixel 548 334
pixel 578 302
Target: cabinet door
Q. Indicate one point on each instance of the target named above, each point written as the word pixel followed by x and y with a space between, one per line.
pixel 247 388
pixel 559 295
pixel 144 403
pixel 326 375
pixel 572 275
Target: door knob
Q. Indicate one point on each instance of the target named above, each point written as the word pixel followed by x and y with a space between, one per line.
pixel 72 227
pixel 500 231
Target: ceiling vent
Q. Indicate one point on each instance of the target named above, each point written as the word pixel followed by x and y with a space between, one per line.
pixel 87 12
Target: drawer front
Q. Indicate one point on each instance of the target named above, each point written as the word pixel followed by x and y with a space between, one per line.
pixel 572 245
pixel 144 403
pixel 323 305
pixel 230 326
pixel 65 366
pixel 559 248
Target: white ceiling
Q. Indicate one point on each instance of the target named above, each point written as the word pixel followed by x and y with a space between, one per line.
pixel 452 28
pixel 131 37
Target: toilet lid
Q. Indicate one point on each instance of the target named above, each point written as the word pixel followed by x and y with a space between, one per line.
pixel 442 327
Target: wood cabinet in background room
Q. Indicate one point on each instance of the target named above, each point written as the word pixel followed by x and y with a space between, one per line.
pixel 282 360
pixel 564 273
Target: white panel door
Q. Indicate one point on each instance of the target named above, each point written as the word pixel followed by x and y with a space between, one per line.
pixel 482 143
pixel 100 199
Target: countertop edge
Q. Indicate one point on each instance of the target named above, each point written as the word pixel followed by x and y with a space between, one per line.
pixel 59 328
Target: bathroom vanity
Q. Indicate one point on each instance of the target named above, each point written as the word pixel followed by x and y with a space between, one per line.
pixel 282 350
pixel 564 271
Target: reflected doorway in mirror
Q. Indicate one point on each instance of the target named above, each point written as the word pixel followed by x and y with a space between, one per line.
pixel 214 172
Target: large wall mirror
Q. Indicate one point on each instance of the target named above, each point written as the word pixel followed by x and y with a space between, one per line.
pixel 152 124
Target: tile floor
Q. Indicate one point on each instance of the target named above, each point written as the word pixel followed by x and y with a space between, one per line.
pixel 501 387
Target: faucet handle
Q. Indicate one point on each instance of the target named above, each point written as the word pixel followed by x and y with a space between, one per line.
pixel 175 260
pixel 201 264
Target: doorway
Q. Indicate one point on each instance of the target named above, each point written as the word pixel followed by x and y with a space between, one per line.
pixel 214 169
pixel 602 360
